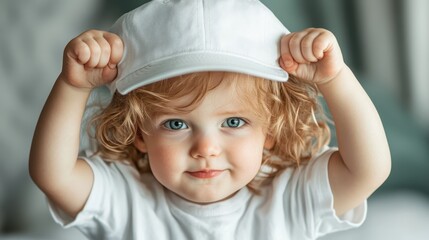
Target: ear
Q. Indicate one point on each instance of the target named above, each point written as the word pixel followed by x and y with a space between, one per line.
pixel 269 142
pixel 140 144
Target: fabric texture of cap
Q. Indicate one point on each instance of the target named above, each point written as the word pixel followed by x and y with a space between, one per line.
pixel 168 38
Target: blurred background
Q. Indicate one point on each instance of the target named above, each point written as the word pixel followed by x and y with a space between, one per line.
pixel 385 42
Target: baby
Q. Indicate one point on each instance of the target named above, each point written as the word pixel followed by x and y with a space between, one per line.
pixel 213 131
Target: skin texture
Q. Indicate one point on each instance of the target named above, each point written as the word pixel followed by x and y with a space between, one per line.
pixel 359 167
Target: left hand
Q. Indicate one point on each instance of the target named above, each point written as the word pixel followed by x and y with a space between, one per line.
pixel 311 55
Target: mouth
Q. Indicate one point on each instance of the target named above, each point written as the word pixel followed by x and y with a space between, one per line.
pixel 204 174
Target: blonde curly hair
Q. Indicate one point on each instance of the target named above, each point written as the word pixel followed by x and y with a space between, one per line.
pixel 290 113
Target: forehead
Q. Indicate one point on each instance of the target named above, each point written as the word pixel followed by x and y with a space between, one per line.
pixel 184 93
pixel 222 84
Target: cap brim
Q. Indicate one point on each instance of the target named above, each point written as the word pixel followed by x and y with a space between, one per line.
pixel 195 62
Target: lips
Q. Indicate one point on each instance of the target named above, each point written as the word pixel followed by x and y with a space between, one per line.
pixel 205 173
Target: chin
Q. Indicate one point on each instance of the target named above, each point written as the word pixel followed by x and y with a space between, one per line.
pixel 207 198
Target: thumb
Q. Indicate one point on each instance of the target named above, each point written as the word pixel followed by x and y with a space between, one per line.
pixel 109 73
pixel 288 64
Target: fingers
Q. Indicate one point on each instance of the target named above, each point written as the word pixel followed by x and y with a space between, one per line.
pixel 96 49
pixel 117 48
pixel 309 50
pixel 312 54
pixel 305 47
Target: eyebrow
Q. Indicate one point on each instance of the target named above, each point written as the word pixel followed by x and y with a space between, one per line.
pixel 232 112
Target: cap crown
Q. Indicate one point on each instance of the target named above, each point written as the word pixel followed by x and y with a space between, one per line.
pixel 166 38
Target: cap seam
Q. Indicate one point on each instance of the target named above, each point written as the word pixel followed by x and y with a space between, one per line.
pixel 203 20
pixel 217 52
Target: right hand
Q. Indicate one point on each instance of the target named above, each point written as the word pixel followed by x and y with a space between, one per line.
pixel 312 54
pixel 90 60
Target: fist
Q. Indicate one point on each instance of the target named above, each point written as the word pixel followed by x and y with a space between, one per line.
pixel 90 60
pixel 311 55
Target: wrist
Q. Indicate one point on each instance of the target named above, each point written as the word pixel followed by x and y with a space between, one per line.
pixel 65 82
pixel 344 84
pixel 341 74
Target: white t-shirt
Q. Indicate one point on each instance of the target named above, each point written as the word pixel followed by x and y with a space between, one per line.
pixel 123 204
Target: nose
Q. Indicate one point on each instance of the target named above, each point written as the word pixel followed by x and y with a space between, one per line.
pixel 205 146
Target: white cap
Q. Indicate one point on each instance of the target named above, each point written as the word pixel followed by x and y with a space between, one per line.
pixel 168 38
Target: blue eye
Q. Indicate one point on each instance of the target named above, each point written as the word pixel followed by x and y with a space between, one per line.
pixel 175 124
pixel 233 122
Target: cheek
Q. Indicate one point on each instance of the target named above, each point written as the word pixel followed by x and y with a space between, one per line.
pixel 247 153
pixel 164 161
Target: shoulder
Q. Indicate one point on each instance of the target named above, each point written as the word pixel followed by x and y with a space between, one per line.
pixel 120 175
pixel 308 190
pixel 316 167
pixel 118 190
pixel 297 185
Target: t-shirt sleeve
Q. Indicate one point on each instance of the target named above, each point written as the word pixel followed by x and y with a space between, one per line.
pixel 311 205
pixel 104 213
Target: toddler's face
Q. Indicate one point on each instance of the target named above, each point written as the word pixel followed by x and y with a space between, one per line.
pixel 210 153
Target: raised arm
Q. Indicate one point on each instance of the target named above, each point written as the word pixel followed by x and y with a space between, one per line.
pixel 362 163
pixel 89 61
